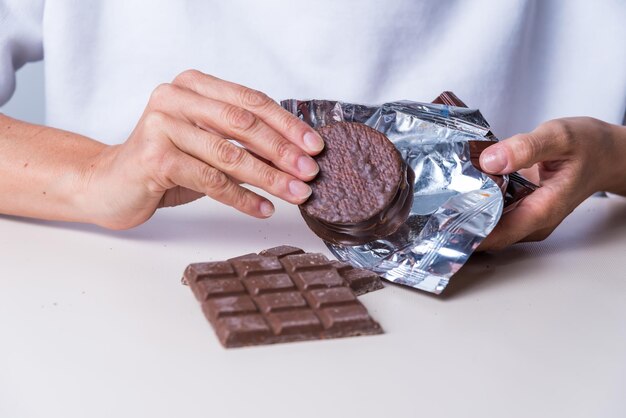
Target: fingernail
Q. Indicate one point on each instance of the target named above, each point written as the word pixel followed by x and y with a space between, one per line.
pixel 307 166
pixel 493 160
pixel 313 141
pixel 267 209
pixel 299 189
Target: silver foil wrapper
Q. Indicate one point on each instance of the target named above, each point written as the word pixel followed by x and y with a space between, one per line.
pixel 455 206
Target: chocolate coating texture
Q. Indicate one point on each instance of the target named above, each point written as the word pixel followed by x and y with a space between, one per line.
pixel 364 188
pixel 360 171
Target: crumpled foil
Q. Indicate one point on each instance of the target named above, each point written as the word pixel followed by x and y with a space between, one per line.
pixel 455 206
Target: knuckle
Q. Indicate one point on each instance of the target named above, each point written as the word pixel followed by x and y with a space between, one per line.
pixel 213 180
pixel 254 98
pixel 241 198
pixel 154 157
pixel 188 77
pixel 539 211
pixel 547 215
pixel 161 93
pixel 155 120
pixel 282 149
pixel 291 123
pixel 165 166
pixel 228 154
pixel 560 127
pixel 239 119
pixel 270 177
pixel 562 131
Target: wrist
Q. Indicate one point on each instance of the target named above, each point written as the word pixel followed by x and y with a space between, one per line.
pixel 88 190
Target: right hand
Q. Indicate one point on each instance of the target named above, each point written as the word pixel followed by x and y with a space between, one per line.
pixel 571 159
pixel 179 152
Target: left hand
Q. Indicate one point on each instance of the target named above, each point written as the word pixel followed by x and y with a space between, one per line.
pixel 570 159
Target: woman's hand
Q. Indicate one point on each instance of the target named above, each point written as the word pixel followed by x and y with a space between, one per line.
pixel 179 152
pixel 570 159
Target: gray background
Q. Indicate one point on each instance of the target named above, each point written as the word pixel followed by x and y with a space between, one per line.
pixel 27 103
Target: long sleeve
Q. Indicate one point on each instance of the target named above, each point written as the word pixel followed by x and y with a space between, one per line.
pixel 21 40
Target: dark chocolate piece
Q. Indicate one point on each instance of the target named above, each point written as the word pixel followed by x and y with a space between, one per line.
pixel 281 251
pixel 364 190
pixel 361 281
pixel 450 99
pixel 264 299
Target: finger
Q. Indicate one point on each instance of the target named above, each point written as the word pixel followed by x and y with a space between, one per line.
pixel 539 235
pixel 536 212
pixel 237 123
pixel 523 150
pixel 288 125
pixel 531 174
pixel 235 161
pixel 188 172
pixel 560 213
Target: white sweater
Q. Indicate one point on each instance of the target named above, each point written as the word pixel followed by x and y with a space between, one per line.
pixel 521 62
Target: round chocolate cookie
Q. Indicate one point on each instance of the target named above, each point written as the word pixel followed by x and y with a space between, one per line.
pixel 364 190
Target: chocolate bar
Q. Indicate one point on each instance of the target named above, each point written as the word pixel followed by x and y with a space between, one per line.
pixel 281 295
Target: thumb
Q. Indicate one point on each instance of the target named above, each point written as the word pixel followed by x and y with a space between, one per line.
pixel 521 151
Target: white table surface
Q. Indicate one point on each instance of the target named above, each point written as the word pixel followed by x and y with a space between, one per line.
pixel 95 323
